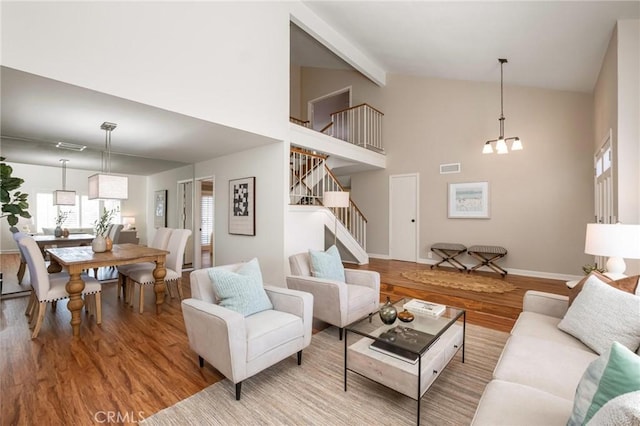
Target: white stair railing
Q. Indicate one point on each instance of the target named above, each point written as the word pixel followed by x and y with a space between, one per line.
pixel 309 178
pixel 359 125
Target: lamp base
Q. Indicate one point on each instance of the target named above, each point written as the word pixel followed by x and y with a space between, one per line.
pixel 616 268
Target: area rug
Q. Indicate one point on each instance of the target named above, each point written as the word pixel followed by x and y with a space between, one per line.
pixel 460 281
pixel 313 393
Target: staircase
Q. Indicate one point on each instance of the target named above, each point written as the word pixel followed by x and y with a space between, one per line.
pixel 309 178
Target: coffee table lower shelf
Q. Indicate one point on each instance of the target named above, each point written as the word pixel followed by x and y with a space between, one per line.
pixel 402 376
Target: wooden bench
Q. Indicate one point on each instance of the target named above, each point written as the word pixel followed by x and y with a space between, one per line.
pixel 487 255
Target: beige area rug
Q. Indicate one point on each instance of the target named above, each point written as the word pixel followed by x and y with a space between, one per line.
pixel 313 393
pixel 460 281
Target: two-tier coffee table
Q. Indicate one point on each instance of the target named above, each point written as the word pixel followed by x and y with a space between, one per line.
pixel 408 371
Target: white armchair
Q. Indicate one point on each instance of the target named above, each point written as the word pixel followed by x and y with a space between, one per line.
pixel 238 346
pixel 335 302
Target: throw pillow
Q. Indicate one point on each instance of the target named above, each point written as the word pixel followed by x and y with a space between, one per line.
pixel 623 410
pixel 613 374
pixel 241 291
pixel 628 284
pixel 327 264
pixel 602 314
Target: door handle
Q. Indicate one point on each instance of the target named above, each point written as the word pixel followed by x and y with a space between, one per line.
pixel 413 220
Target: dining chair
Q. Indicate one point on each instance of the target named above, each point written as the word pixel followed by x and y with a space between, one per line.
pixel 23 262
pixel 51 288
pixel 160 241
pixel 173 265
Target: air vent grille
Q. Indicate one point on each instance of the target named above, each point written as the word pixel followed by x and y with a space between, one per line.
pixel 449 168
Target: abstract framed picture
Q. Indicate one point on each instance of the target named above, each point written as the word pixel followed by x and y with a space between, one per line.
pixel 469 200
pixel 160 209
pixel 242 206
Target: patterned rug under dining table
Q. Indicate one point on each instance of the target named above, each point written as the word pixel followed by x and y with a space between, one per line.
pixel 77 259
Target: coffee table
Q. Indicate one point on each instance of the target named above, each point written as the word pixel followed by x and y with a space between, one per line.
pixel 389 365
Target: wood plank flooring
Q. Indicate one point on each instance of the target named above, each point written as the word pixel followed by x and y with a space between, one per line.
pixel 134 365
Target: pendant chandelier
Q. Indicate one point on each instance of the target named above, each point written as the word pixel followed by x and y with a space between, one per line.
pixel 501 142
pixel 62 197
pixel 105 185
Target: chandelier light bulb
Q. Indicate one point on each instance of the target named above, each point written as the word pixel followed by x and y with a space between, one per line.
pixel 501 147
pixel 516 145
pixel 487 148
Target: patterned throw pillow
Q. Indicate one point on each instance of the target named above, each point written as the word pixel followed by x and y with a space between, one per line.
pixel 613 374
pixel 602 314
pixel 327 264
pixel 241 291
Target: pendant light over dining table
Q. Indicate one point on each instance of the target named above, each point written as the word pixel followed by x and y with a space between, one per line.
pixel 106 185
pixel 62 197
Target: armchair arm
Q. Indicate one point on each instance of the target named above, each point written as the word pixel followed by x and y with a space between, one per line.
pixel 295 302
pixel 330 298
pixel 218 335
pixel 363 277
pixel 545 303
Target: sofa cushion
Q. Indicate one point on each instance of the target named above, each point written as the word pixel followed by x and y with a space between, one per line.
pixel 510 404
pixel 546 365
pixel 270 329
pixel 361 301
pixel 601 314
pixel 545 327
pixel 240 291
pixel 613 374
pixel 327 264
pixel 628 284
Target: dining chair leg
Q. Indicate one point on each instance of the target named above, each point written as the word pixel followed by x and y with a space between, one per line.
pixel 179 285
pixel 141 307
pixel 98 302
pixel 120 286
pixel 21 270
pixel 42 308
pixel 32 300
pixel 54 305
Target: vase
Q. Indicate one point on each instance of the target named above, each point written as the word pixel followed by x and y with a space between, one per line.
pixel 388 312
pixel 65 232
pixel 99 244
pixel 108 243
pixel 58 231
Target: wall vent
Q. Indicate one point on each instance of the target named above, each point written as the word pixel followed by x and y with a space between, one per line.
pixel 449 168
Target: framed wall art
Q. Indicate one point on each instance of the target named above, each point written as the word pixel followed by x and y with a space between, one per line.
pixel 242 206
pixel 469 200
pixel 160 208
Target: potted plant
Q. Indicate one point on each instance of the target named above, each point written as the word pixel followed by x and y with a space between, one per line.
pixel 60 219
pixel 14 203
pixel 99 243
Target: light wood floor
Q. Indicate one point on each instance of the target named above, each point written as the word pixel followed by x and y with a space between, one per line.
pixel 135 365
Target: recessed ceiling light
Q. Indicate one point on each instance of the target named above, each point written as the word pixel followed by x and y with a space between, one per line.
pixel 70 146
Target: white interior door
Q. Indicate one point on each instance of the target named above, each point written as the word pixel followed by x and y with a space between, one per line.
pixel 185 217
pixel 403 217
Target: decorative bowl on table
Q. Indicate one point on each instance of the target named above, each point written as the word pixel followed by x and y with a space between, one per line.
pixel 405 316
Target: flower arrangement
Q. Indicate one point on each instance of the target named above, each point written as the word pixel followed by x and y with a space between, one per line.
pixel 103 222
pixel 61 217
pixel 588 268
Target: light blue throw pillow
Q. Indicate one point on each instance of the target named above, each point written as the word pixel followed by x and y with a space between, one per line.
pixel 327 264
pixel 241 291
pixel 616 372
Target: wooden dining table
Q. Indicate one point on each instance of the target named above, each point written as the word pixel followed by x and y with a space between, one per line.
pixel 45 241
pixel 76 259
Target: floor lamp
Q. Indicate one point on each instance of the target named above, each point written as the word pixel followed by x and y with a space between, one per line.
pixel 335 199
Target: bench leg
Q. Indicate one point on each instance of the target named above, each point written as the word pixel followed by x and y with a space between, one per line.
pixel 449 258
pixel 484 261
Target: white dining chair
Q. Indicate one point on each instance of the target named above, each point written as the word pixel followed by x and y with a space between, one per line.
pixel 160 241
pixel 51 288
pixel 177 243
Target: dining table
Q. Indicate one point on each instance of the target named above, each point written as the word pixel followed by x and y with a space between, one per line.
pixel 45 241
pixel 76 259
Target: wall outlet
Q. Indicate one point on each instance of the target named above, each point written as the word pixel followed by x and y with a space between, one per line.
pixel 430 254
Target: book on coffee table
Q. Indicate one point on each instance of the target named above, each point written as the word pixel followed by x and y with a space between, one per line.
pixel 425 308
pixel 403 343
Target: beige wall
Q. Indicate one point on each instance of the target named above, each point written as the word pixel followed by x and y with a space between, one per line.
pixel 541 198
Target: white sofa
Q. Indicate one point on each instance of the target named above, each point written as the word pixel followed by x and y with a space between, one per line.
pixel 535 380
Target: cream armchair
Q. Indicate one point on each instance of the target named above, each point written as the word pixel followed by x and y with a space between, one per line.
pixel 238 346
pixel 335 302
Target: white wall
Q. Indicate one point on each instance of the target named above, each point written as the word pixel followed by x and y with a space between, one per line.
pixel 225 62
pixel 305 230
pixel 268 165
pixel 48 179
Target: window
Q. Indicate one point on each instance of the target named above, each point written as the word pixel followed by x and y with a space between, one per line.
pixel 82 215
pixel 206 217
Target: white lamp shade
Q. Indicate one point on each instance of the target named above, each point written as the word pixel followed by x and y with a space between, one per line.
pixel 128 221
pixel 516 145
pixel 335 199
pixel 64 198
pixel 613 240
pixel 501 147
pixel 106 186
pixel 487 149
